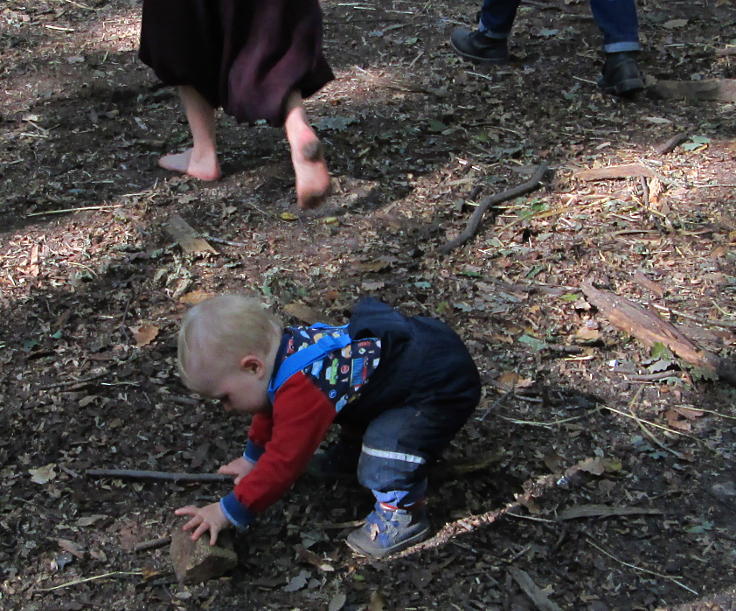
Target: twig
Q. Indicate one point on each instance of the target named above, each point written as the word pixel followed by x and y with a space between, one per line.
pixel 154 544
pixel 643 570
pixel 86 579
pixel 159 475
pixel 75 210
pixel 654 424
pixel 671 144
pixel 710 411
pixel 534 423
pixel 531 518
pixel 646 377
pixel 78 5
pixel 475 219
pixel 706 321
pixel 221 241
pixel 644 191
pixel 648 433
pixel 74 382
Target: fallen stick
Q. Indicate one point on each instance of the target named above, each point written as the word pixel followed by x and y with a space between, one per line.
pixel 474 222
pixel 718 90
pixel 671 144
pixel 153 544
pixel 159 475
pixel 650 329
pixel 628 170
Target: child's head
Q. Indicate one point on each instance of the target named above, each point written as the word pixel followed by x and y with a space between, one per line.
pixel 224 336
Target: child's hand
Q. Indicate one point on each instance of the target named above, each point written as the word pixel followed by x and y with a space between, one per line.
pixel 209 517
pixel 240 467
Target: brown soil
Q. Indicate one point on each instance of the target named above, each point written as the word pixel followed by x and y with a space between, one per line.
pixel 90 301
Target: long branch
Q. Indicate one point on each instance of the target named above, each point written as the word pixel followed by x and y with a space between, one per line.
pixel 492 200
pixel 159 475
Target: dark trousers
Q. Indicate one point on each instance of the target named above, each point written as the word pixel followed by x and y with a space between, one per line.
pixel 403 433
pixel 616 19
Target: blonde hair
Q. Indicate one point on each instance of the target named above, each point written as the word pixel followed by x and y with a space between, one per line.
pixel 228 327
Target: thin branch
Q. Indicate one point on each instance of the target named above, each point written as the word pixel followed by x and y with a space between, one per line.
pixel 154 544
pixel 643 570
pixel 654 424
pixel 159 475
pixel 474 222
pixel 87 579
pixel 706 321
pixel 74 210
pixel 534 423
pixel 648 433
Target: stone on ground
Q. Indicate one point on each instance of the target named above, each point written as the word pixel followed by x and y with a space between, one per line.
pixel 197 561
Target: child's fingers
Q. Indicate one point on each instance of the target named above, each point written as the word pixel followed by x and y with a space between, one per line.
pixel 189 510
pixel 201 529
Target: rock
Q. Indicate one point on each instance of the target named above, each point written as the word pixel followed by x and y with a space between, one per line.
pixel 197 561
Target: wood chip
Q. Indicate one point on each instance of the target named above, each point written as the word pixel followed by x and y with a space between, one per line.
pixel 185 236
pixel 629 170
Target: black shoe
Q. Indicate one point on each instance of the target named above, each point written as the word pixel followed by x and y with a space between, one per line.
pixel 476 46
pixel 621 75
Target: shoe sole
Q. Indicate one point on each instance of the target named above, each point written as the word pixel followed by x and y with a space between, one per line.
pixel 418 538
pixel 624 88
pixel 476 58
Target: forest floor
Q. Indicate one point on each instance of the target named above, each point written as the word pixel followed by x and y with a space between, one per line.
pixel 92 288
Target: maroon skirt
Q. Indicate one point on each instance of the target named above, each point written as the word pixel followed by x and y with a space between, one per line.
pixel 245 56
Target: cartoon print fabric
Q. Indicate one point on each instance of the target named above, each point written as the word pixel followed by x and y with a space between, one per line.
pixel 340 374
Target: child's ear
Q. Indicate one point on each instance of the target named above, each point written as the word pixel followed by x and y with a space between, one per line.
pixel 252 364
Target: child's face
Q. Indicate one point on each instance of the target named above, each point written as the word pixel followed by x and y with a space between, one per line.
pixel 241 388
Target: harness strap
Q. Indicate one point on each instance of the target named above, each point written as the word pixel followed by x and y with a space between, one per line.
pixel 306 356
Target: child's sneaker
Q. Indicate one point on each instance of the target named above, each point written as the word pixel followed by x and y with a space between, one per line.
pixel 388 530
pixel 338 462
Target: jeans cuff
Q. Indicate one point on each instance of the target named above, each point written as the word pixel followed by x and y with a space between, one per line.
pixel 620 47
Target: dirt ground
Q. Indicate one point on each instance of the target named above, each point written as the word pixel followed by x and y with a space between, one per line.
pixel 598 473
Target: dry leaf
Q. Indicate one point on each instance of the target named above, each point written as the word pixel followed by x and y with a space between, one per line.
pixel 377 603
pixel 303 312
pixel 338 602
pixel 592 465
pixel 597 511
pixel 510 380
pixel 370 286
pixel 88 400
pixel 288 216
pixel 297 583
pixel 689 412
pixel 586 334
pixel 194 297
pixel 43 475
pixel 376 265
pixel 676 421
pixel 675 23
pixel 553 462
pixel 90 520
pixel 144 334
pixel 71 547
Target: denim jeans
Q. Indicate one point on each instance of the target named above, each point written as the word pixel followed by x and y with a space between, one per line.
pixel 616 19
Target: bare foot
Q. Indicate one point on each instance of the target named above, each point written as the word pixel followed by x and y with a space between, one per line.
pixel 312 176
pixel 205 167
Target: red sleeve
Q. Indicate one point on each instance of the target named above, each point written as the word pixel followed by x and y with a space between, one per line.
pixel 260 429
pixel 301 416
